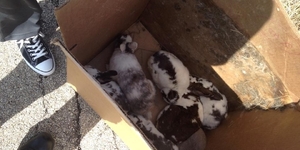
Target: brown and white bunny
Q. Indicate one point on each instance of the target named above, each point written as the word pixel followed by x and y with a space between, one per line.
pixel 214 103
pixel 138 90
pixel 169 75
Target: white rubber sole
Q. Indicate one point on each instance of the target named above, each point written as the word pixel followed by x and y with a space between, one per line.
pixel 42 72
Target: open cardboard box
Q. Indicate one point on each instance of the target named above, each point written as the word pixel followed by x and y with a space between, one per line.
pixel 214 42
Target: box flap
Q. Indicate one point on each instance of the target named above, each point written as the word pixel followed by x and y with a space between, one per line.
pixel 274 35
pixel 88 26
pixel 211 46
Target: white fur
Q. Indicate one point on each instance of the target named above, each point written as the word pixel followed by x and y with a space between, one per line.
pixel 147 124
pixel 112 87
pixel 92 71
pixel 114 91
pixel 127 65
pixel 156 137
pixel 190 101
pixel 209 120
pixel 162 79
pixel 121 61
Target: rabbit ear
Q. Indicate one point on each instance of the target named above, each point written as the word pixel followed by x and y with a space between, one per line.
pixel 104 77
pixel 107 73
pixel 128 39
pixel 133 46
pixel 207 93
pixel 111 73
pixel 122 47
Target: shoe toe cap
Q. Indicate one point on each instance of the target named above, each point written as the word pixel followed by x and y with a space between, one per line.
pixel 46 66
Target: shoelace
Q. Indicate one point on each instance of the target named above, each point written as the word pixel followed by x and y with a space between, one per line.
pixel 34 46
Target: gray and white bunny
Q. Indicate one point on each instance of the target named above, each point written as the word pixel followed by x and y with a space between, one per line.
pixel 214 103
pixel 169 74
pixel 114 91
pixel 139 90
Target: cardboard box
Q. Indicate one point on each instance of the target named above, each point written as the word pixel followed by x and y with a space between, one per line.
pixel 210 45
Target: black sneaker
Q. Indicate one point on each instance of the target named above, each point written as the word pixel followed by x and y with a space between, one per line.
pixel 42 141
pixel 37 55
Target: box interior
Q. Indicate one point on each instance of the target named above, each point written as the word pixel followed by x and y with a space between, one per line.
pixel 93 44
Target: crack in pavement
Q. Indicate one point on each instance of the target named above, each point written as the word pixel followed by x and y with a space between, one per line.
pixel 78 130
pixel 42 87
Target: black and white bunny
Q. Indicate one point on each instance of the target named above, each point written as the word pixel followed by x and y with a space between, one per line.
pixel 114 91
pixel 109 86
pixel 105 80
pixel 139 90
pixel 156 138
pixel 169 74
pixel 214 103
pixel 177 122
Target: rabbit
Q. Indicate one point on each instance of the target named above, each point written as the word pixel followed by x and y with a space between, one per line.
pixel 169 74
pixel 109 86
pixel 105 80
pixel 214 103
pixel 114 91
pixel 155 137
pixel 177 122
pixel 138 90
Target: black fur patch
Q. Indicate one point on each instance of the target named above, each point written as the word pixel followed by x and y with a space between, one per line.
pixel 178 122
pixel 217 115
pixel 127 49
pixel 174 82
pixel 173 95
pixel 120 40
pixel 105 77
pixel 165 64
pixel 164 95
pixel 158 141
pixel 186 96
pixel 197 89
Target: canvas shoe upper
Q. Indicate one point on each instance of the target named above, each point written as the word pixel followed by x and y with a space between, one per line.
pixel 37 55
pixel 41 141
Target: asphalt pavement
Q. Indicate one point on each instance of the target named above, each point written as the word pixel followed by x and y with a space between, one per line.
pixel 30 103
